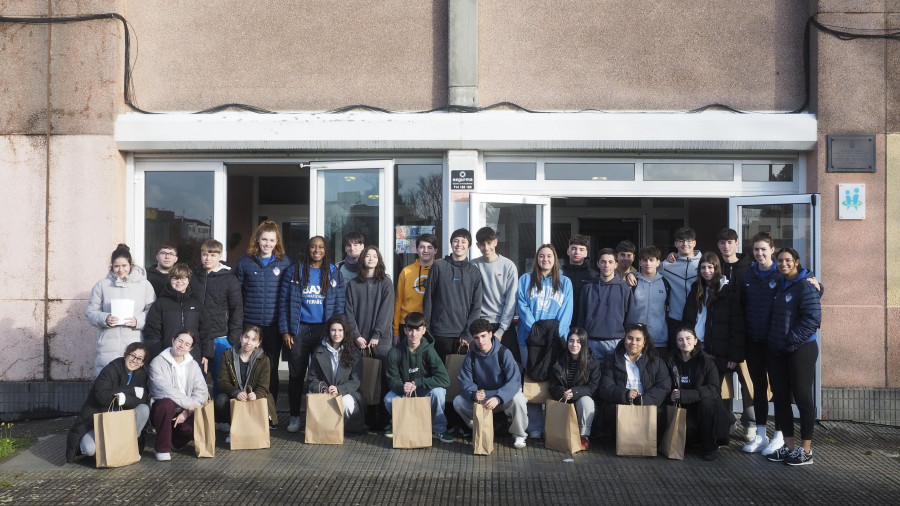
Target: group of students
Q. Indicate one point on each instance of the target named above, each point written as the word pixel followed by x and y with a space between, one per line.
pixel 643 335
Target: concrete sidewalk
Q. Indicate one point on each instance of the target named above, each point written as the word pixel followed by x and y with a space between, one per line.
pixel 854 464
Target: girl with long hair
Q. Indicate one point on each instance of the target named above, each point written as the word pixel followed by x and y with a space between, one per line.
pixel 543 294
pixel 575 378
pixel 336 368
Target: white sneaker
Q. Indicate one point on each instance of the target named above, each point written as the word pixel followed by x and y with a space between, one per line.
pixel 162 457
pixel 294 426
pixel 519 442
pixel 750 432
pixel 774 444
pixel 758 443
pixel 223 427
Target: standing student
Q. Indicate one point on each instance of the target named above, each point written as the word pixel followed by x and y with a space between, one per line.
pixel 453 296
pixel 607 305
pixel 543 294
pixel 793 351
pixel 124 281
pixel 625 252
pixel 575 378
pixel 158 273
pixel 311 292
pixel 335 368
pixel 369 304
pixel 681 274
pixel 177 309
pixel 260 272
pixel 414 368
pixel 651 299
pixel 244 376
pixel 219 290
pixel 354 242
pixel 498 282
pixel 177 388
pixel 411 283
pixel 578 269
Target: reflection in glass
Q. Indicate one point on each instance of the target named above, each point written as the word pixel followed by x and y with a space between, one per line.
pixel 688 172
pixel 788 224
pixel 590 171
pixel 352 200
pixel 418 205
pixel 178 207
pixel 516 226
pixel 768 172
pixel 510 170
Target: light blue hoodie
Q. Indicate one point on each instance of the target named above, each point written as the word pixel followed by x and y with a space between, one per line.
pixel 543 305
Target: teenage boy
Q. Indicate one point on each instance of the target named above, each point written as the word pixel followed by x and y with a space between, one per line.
pixel 578 269
pixel 651 297
pixel 490 376
pixel 499 278
pixel 734 264
pixel 625 251
pixel 681 274
pixel 607 305
pixel 158 273
pixel 453 296
pixel 414 367
pixel 354 243
pixel 411 282
pixel 217 286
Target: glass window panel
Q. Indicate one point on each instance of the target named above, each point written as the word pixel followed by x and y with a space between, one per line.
pixel 278 190
pixel 352 200
pixel 511 170
pixel 589 171
pixel 788 224
pixel 688 172
pixel 178 209
pixel 418 206
pixel 768 172
pixel 664 233
pixel 516 226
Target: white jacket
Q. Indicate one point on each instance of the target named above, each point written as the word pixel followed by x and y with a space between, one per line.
pixel 165 374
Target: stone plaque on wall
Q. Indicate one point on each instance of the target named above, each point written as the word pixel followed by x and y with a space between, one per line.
pixel 851 153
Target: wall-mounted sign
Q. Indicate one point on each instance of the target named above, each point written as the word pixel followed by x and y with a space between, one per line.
pixel 852 201
pixel 851 153
pixel 462 180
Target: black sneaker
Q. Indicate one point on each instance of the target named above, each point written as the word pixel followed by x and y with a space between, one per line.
pixel 798 457
pixel 779 455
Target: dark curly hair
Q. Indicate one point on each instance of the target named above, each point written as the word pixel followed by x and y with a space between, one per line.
pixel 349 351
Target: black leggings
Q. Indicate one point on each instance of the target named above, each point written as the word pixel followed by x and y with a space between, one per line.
pixel 793 374
pixel 757 364
pixel 271 345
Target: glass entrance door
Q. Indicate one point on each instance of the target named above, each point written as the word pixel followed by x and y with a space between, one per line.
pixel 792 221
pixel 353 196
pixel 522 223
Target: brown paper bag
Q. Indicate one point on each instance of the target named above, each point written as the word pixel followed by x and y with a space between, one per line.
pixel 325 419
pixel 483 430
pixel 249 424
pixel 672 443
pixel 115 433
pixel 454 364
pixel 635 430
pixel 205 430
pixel 370 385
pixel 561 428
pixel 537 392
pixel 411 422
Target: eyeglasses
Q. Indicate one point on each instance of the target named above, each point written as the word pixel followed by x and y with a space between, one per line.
pixel 167 254
pixel 135 358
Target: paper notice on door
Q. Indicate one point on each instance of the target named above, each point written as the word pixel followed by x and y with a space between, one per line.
pixel 121 309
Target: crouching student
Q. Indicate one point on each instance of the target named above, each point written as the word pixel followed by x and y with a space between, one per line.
pixel 122 382
pixel 414 367
pixel 335 368
pixel 177 387
pixel 575 378
pixel 697 386
pixel 244 376
pixel 490 376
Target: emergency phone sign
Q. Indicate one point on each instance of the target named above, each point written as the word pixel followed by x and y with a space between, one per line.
pixel 462 180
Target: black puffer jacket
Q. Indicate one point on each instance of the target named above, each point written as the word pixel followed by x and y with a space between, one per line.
pixel 112 380
pixel 724 338
pixel 654 379
pixel 172 312
pixel 579 275
pixel 544 348
pixel 220 293
pixel 581 387
pixel 697 378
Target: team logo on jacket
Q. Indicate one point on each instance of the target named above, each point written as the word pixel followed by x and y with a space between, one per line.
pixel 788 297
pixel 333 283
pixel 772 285
pixel 419 287
pixel 276 271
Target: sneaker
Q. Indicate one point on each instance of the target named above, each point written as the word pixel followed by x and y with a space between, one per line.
pixel 228 438
pixel 465 432
pixel 774 444
pixel 162 457
pixel 389 432
pixel 779 455
pixel 444 437
pixel 749 432
pixel 519 442
pixel 799 457
pixel 585 443
pixel 757 445
pixel 223 427
pixel 294 425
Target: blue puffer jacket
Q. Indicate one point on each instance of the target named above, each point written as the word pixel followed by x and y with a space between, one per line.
pixel 291 299
pixel 260 286
pixel 796 314
pixel 757 292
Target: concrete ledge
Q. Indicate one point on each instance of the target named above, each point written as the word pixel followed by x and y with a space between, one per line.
pixel 22 400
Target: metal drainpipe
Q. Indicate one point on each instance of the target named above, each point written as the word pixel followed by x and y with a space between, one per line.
pixel 462 49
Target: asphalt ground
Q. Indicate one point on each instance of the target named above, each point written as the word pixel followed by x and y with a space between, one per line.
pixel 854 464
